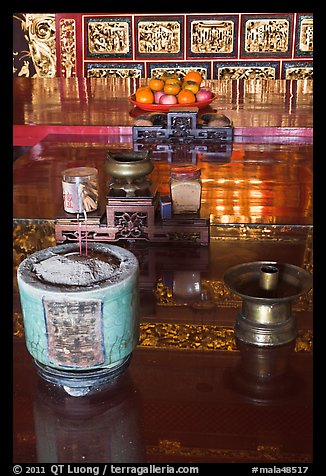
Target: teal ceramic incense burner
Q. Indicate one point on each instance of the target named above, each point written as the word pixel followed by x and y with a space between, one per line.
pixel 80 313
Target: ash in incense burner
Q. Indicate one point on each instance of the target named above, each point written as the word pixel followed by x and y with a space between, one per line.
pixel 267 289
pixel 80 313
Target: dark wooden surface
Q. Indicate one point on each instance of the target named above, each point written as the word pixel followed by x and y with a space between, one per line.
pixel 170 406
pixel 191 394
pixel 258 183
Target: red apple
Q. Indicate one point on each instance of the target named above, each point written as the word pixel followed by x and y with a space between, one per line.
pixel 157 96
pixel 204 94
pixel 168 99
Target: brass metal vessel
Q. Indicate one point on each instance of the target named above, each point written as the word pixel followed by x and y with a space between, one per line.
pixel 128 169
pixel 267 289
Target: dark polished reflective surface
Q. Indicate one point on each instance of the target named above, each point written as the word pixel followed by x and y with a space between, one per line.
pixel 175 406
pixel 192 392
pixel 101 106
pixel 265 183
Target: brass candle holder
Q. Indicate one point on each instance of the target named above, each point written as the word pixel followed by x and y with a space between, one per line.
pixel 267 289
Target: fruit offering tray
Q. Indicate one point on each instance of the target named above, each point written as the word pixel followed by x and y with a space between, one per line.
pixel 166 107
pixel 182 124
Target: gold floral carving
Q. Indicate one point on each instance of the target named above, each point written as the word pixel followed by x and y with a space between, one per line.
pixel 68 47
pixel 245 72
pixel 109 72
pixel 40 31
pixel 298 72
pixel 30 236
pixel 179 71
pixel 181 336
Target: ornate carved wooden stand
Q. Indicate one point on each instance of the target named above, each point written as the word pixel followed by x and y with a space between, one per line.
pixel 132 218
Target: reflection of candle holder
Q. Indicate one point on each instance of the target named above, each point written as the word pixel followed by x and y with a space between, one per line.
pixel 103 427
pixel 264 374
pixel 186 285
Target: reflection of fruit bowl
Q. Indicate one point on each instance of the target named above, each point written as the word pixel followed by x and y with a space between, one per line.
pixel 166 107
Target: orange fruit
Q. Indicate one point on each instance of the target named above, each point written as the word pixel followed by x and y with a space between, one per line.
pixel 193 76
pixel 186 96
pixel 145 95
pixel 172 81
pixel 169 76
pixel 156 84
pixel 191 85
pixel 173 88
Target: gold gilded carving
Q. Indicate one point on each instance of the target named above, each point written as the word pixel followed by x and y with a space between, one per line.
pixel 245 72
pixel 30 236
pixel 108 37
pixel 306 39
pixel 180 72
pixel 186 336
pixel 24 70
pixel 299 73
pixel 164 294
pixel 221 296
pixel 113 73
pixel 286 233
pixel 18 325
pixel 159 37
pixel 269 452
pixel 304 341
pixel 262 452
pixel 68 47
pixel 211 36
pixel 266 36
pixel 40 31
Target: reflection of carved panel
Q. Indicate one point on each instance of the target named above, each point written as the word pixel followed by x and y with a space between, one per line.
pixel 68 47
pixel 159 37
pixel 267 36
pixel 306 43
pixel 109 71
pixel 108 37
pixel 211 36
pixel 244 72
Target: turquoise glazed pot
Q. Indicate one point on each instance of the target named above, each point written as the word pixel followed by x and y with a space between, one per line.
pixel 80 313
